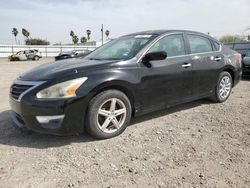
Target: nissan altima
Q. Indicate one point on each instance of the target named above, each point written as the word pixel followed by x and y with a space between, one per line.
pixel 132 75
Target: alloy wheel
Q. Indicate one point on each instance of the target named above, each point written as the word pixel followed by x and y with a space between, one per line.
pixel 225 87
pixel 111 115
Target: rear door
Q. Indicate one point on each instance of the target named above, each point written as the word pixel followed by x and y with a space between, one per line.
pixel 168 81
pixel 206 62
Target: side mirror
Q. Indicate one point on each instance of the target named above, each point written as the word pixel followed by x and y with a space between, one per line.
pixel 153 56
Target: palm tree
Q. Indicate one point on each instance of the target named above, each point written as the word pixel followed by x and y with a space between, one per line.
pixel 15 32
pixel 24 31
pixel 83 40
pixel 107 32
pixel 88 34
pixel 26 34
pixel 72 34
pixel 75 39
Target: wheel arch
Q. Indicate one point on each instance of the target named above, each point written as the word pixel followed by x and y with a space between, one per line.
pixel 121 86
pixel 231 72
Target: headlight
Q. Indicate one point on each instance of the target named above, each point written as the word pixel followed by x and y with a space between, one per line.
pixel 62 90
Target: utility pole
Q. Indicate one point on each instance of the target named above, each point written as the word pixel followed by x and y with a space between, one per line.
pixel 102 33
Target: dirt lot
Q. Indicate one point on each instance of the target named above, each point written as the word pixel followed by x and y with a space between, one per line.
pixel 199 144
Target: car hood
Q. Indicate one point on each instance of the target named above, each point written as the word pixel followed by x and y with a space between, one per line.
pixel 63 68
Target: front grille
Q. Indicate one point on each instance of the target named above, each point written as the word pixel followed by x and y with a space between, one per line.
pixel 17 89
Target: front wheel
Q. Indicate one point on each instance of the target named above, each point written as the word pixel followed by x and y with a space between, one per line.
pixel 223 87
pixel 109 114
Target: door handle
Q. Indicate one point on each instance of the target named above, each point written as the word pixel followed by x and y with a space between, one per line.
pixel 186 65
pixel 217 58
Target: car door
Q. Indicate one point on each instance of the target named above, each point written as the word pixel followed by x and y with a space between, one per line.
pixel 167 81
pixel 22 55
pixel 206 62
pixel 30 54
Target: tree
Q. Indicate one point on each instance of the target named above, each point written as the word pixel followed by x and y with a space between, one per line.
pixel 107 32
pixel 230 38
pixel 37 42
pixel 26 34
pixel 83 40
pixel 72 34
pixel 15 33
pixel 75 39
pixel 24 31
pixel 88 34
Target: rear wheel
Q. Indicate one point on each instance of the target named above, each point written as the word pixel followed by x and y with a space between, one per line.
pixel 36 58
pixel 223 87
pixel 109 114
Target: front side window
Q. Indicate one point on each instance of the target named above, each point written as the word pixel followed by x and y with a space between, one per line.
pixel 123 48
pixel 173 45
pixel 199 44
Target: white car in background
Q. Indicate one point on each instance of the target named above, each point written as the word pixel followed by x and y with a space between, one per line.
pixel 26 55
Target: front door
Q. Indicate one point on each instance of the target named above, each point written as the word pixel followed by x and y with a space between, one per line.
pixel 168 81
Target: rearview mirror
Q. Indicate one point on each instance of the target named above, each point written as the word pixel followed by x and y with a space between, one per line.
pixel 153 56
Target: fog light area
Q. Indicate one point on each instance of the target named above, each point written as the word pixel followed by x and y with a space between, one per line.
pixel 50 122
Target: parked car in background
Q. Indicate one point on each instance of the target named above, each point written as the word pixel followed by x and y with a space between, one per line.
pixel 244 49
pixel 72 54
pixel 129 76
pixel 26 55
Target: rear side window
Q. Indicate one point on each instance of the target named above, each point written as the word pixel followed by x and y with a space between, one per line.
pixel 173 45
pixel 199 44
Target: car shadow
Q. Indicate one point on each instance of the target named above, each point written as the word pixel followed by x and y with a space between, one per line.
pixel 169 111
pixel 13 136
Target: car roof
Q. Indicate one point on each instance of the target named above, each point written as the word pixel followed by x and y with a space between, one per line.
pixel 160 32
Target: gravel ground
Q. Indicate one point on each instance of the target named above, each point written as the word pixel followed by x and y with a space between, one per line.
pixel 199 144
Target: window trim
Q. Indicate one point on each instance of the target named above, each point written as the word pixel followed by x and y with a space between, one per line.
pixel 186 43
pixel 201 36
pixel 220 48
pixel 161 37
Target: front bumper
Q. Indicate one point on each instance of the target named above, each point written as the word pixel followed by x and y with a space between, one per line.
pixel 66 117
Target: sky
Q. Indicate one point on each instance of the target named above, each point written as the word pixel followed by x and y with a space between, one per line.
pixel 54 19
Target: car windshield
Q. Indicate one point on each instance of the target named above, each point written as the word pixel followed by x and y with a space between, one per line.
pixel 123 48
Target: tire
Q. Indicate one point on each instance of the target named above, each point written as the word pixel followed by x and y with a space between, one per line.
pixel 96 121
pixel 36 58
pixel 219 98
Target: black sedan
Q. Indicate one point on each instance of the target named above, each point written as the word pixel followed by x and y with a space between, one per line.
pixel 129 76
pixel 72 54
